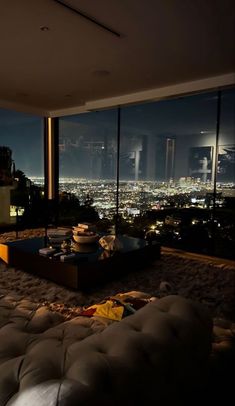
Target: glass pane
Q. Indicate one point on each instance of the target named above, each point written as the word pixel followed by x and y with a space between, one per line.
pixel 87 175
pixel 225 185
pixel 167 170
pixel 21 169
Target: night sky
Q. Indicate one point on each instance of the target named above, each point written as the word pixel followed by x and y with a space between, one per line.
pixel 23 133
pixel 186 116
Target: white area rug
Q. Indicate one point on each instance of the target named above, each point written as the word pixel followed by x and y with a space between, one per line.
pixel 203 280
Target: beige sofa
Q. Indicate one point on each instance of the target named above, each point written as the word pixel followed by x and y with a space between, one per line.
pixel 157 355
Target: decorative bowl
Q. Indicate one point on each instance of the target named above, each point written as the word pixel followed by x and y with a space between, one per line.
pixel 83 248
pixel 86 239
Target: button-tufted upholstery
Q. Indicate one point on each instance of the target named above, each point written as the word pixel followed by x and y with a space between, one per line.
pixel 151 356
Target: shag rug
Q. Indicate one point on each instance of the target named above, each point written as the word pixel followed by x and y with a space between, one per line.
pixel 204 280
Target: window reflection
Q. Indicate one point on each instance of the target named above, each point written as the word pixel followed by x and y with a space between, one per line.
pixel 176 178
pixel 88 149
pixel 168 163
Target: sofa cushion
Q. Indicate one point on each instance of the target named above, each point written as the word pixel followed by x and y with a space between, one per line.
pixel 152 355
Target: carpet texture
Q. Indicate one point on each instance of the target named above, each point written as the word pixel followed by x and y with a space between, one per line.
pixel 199 278
pixel 212 284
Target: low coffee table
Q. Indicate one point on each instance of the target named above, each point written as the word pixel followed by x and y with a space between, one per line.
pixel 87 269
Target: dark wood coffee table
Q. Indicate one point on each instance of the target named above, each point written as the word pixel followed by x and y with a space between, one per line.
pixel 87 269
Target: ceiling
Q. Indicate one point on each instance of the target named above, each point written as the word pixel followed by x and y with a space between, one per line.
pixel 55 62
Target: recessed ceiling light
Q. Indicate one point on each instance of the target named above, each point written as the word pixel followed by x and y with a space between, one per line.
pixel 44 28
pixel 101 73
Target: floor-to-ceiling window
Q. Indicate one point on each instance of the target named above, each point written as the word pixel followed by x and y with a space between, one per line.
pixel 224 225
pixel 21 168
pixel 171 147
pixel 176 170
pixel 169 187
pixel 87 167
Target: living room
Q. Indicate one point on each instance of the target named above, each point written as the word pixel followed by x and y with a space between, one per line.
pixel 129 132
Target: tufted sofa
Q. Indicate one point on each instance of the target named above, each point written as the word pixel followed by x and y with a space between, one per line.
pixel 157 355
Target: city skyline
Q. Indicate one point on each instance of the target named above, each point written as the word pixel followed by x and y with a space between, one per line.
pixel 138 196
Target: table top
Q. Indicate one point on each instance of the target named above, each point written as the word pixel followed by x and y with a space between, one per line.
pixel 87 252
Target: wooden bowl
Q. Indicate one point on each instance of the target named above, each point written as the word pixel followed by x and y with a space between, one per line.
pixel 86 239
